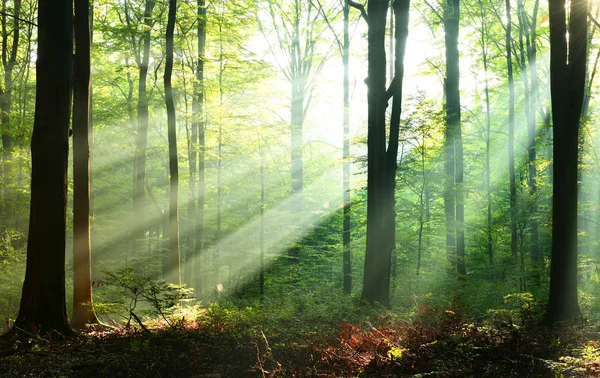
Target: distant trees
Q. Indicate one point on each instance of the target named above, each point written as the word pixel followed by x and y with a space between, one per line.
pixel 297 27
pixel 43 304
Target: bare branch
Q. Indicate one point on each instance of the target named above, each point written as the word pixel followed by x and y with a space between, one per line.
pixel 361 8
pixel 18 18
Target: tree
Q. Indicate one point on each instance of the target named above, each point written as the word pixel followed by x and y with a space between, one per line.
pixel 453 190
pixel 382 154
pixel 347 257
pixel 297 33
pixel 9 61
pixel 511 133
pixel 199 127
pixel 568 58
pixel 83 312
pixel 43 305
pixel 173 264
pixel 142 56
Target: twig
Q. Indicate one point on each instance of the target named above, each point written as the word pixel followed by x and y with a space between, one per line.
pixel 18 18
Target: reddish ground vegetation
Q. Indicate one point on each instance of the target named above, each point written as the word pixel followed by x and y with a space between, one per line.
pixel 437 341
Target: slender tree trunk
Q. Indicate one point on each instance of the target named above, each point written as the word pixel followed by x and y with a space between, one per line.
pixel 139 163
pixel 197 109
pixel 262 221
pixel 347 257
pixel 174 263
pixel 532 133
pixel 43 304
pixel 9 61
pixel 511 134
pixel 567 78
pixel 488 118
pixel 220 139
pixel 83 311
pixel 453 191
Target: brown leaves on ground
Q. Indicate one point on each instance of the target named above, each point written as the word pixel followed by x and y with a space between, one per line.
pixel 438 341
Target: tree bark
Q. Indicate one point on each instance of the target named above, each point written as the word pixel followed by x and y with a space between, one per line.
pixel 197 109
pixel 83 312
pixel 174 264
pixel 511 134
pixel 139 163
pixel 9 61
pixel 347 257
pixel 567 80
pixel 453 191
pixel 382 155
pixel 43 305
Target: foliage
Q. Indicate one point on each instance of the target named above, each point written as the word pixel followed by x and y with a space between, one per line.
pixel 137 298
pixel 12 271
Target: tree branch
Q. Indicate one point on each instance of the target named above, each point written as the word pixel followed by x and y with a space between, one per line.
pixel 361 8
pixel 18 18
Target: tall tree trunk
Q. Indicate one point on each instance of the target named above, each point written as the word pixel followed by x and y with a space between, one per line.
pixel 531 134
pixel 139 163
pixel 83 312
pixel 174 265
pixel 511 134
pixel 43 304
pixel 347 257
pixel 382 155
pixel 9 61
pixel 453 191
pixel 197 109
pixel 567 78
pixel 220 139
pixel 488 133
pixel 262 221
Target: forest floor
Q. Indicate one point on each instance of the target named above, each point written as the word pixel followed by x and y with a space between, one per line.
pixel 441 342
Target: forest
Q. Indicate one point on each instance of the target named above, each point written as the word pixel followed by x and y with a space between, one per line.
pixel 299 188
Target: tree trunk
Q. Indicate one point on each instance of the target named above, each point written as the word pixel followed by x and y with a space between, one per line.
pixel 511 135
pixel 174 265
pixel 43 305
pixel 382 162
pixel 83 312
pixel 567 79
pixel 347 257
pixel 9 61
pixel 139 163
pixel 197 109
pixel 453 191
pixel 488 133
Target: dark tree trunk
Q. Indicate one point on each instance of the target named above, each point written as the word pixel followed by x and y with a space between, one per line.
pixel 382 155
pixel 83 312
pixel 43 306
pixel 173 265
pixel 567 79
pixel 453 191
